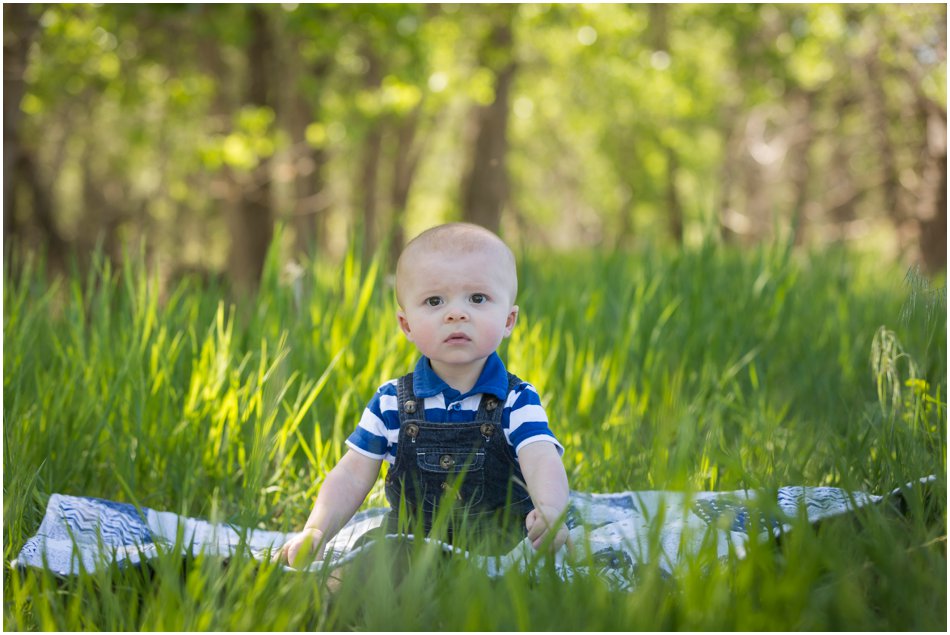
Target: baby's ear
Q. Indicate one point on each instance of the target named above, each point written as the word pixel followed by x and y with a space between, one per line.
pixel 511 320
pixel 404 324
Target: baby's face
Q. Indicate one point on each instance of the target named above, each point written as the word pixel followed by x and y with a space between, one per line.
pixel 456 308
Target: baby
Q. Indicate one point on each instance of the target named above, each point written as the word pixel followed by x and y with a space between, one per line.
pixel 459 427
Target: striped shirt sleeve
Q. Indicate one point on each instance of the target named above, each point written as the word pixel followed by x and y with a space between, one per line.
pixel 376 433
pixel 524 419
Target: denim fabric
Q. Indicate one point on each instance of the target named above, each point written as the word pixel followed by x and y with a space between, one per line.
pixel 470 462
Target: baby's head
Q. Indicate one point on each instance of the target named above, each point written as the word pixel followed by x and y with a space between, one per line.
pixel 456 286
pixel 423 254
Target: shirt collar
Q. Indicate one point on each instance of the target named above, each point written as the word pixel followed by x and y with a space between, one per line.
pixel 493 380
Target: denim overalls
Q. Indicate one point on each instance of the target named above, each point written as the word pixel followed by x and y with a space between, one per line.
pixel 431 458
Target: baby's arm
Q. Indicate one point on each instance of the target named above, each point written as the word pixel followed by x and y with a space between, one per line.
pixel 547 484
pixel 343 491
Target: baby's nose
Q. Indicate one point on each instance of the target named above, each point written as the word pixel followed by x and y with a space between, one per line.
pixel 455 314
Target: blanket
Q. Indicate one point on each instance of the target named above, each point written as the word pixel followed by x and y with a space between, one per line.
pixel 618 532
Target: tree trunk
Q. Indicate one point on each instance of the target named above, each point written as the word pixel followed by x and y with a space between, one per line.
pixel 369 164
pixel 20 25
pixel 485 187
pixel 253 225
pixel 932 199
pixel 801 169
pixel 408 153
pixel 627 164
pixel 311 206
pixel 222 187
pixel 660 41
pixel 727 172
pixel 42 207
pixel 885 147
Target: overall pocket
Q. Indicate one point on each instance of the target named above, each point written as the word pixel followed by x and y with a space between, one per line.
pixel 442 469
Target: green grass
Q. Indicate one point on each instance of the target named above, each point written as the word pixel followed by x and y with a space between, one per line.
pixel 710 369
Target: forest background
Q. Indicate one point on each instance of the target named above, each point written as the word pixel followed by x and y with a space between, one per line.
pixel 195 129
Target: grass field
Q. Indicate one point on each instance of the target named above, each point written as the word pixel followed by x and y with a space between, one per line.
pixel 709 369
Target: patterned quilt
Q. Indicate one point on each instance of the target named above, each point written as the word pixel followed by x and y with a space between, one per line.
pixel 617 532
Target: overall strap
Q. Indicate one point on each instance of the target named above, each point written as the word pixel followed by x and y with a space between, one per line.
pixel 490 408
pixel 409 407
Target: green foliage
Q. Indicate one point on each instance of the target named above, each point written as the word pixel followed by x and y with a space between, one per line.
pixel 613 111
pixel 707 369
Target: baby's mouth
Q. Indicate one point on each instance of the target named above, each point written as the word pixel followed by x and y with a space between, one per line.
pixel 457 338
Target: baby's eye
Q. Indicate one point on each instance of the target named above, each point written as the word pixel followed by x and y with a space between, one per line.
pixel 478 298
pixel 433 301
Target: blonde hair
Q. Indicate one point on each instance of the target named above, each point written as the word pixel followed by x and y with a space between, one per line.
pixel 453 238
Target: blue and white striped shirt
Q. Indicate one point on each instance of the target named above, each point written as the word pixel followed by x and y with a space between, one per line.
pixel 523 419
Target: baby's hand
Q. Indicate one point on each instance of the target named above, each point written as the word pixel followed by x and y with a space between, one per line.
pixel 539 523
pixel 298 549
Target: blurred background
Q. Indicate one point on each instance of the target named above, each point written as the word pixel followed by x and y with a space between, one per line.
pixel 199 131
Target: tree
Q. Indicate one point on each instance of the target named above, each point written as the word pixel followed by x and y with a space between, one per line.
pixel 253 225
pixel 21 22
pixel 198 127
pixel 485 186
